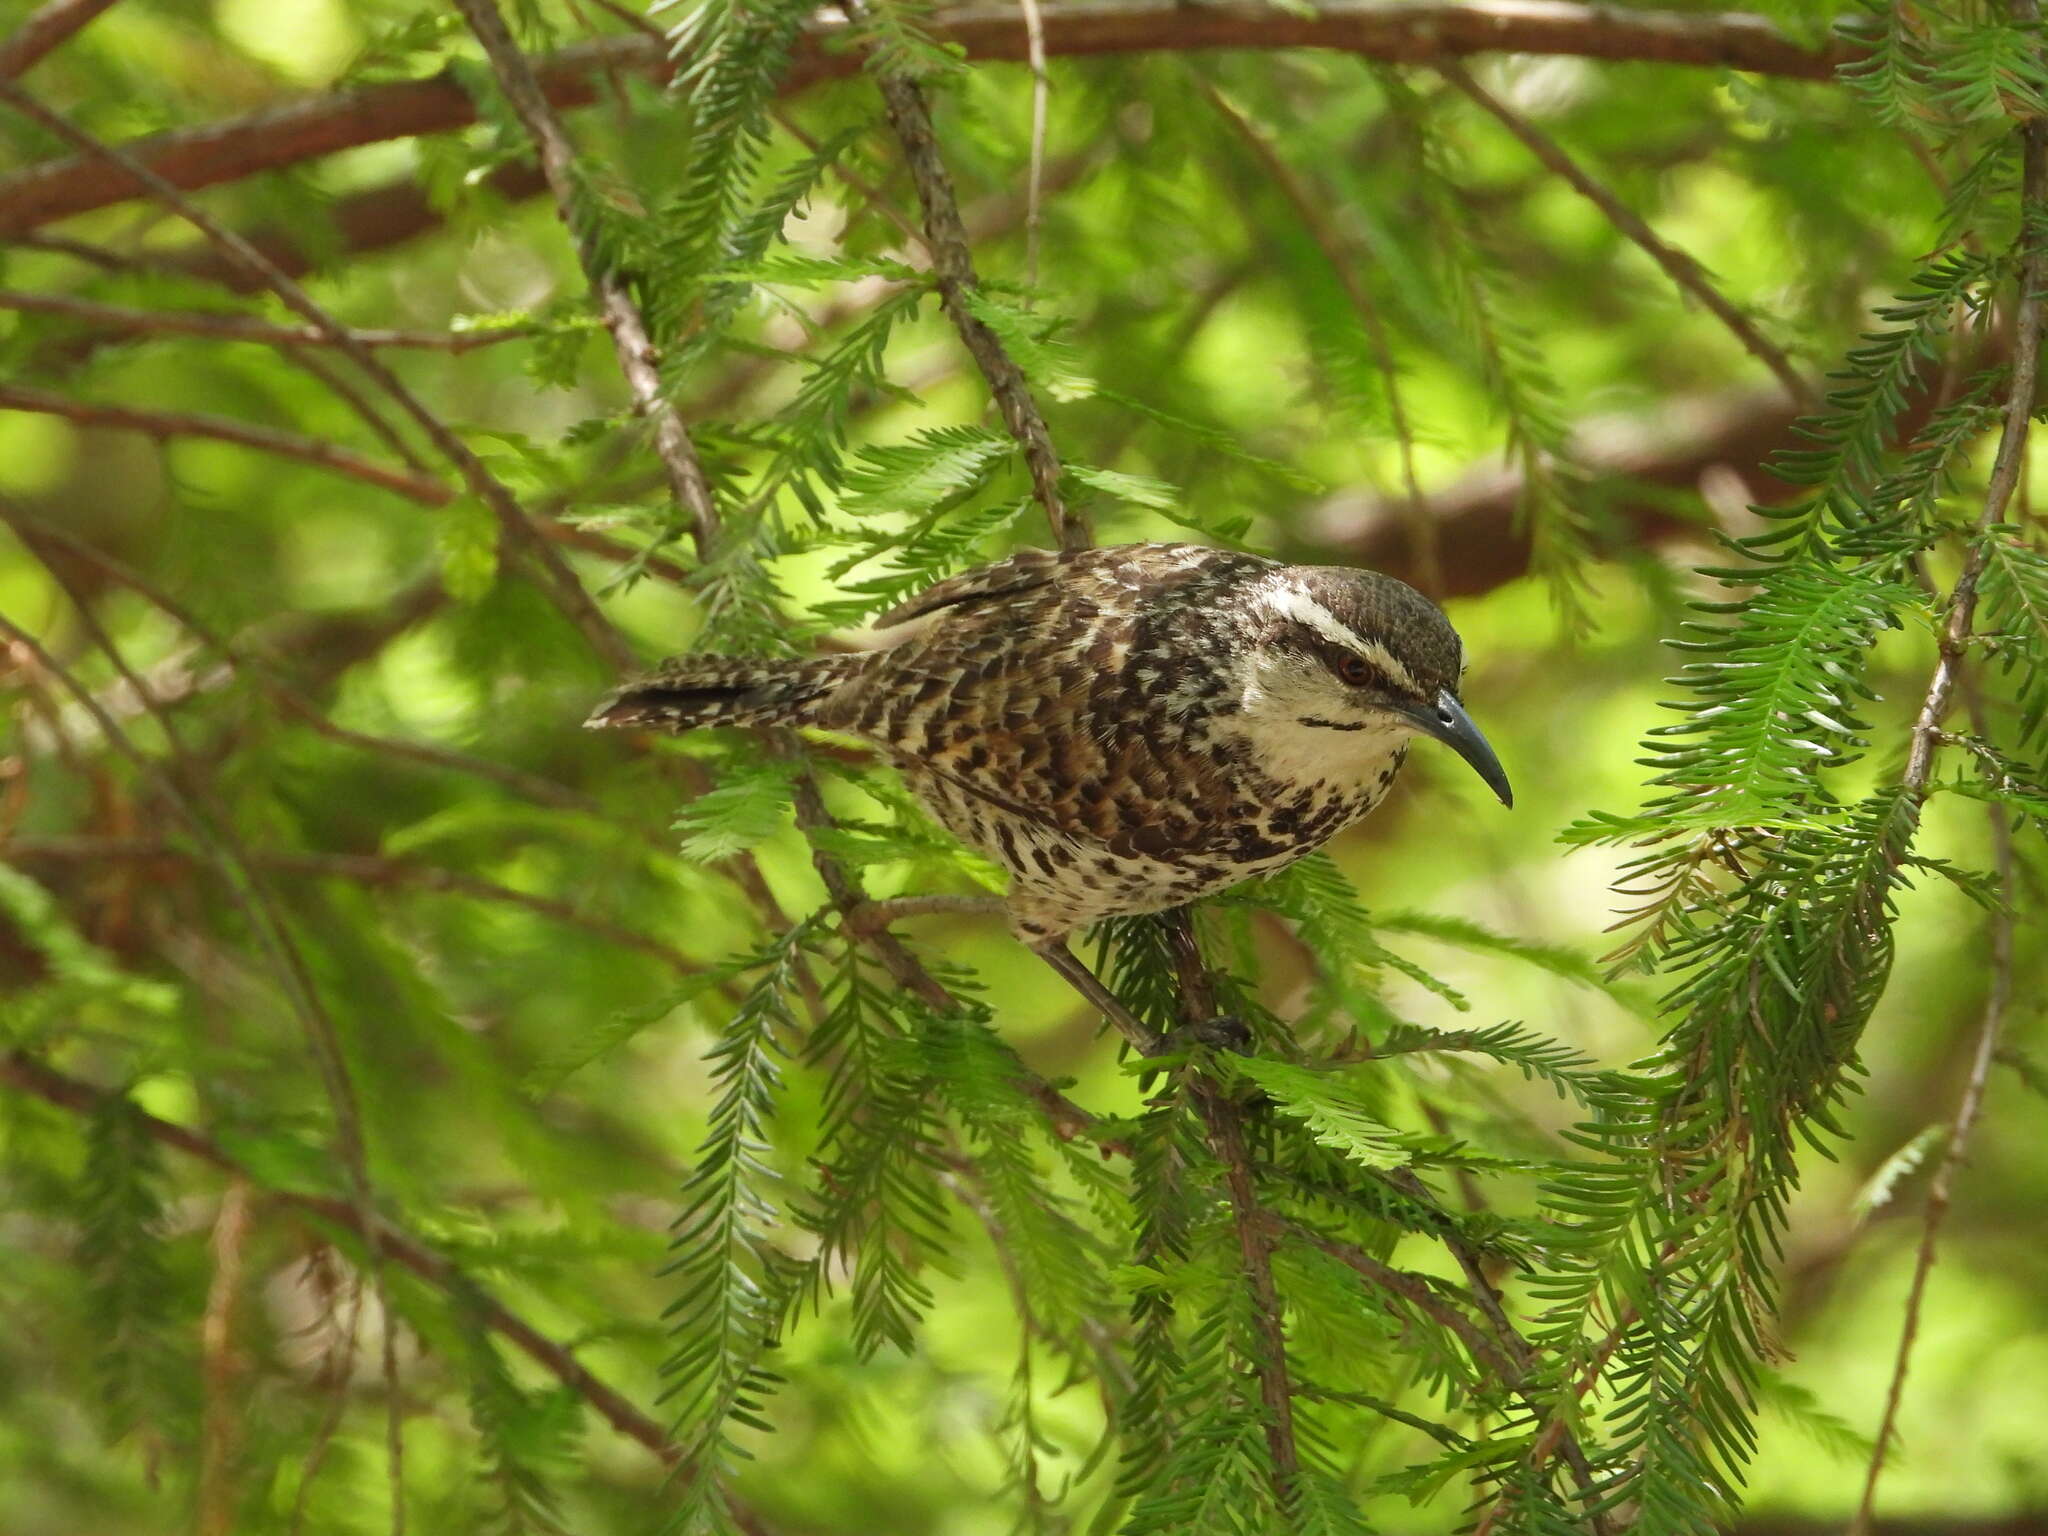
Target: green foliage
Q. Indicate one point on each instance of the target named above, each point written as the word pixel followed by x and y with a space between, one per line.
pixel 976 1267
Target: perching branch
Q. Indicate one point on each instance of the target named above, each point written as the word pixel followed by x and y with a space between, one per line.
pixel 1386 30
pixel 1224 1120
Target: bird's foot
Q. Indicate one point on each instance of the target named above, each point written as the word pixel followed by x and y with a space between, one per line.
pixel 873 916
pixel 1225 1032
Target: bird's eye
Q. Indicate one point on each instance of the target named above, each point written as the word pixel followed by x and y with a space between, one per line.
pixel 1355 670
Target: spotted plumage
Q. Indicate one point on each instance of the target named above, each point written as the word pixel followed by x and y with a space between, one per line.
pixel 1126 729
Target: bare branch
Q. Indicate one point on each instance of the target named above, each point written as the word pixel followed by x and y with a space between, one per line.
pixel 1387 30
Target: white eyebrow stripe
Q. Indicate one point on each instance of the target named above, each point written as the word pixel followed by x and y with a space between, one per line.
pixel 1293 603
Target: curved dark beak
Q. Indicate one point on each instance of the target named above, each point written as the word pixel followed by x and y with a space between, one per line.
pixel 1447 721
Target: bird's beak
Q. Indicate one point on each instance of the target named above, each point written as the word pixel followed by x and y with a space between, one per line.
pixel 1447 721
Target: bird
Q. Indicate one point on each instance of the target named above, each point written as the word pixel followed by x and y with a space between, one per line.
pixel 1124 729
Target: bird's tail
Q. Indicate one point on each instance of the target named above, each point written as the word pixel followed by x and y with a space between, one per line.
pixel 690 691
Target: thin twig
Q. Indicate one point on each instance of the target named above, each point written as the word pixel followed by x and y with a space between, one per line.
pixel 1676 264
pixel 2006 470
pixel 953 265
pixel 2011 458
pixel 1041 90
pixel 28 1075
pixel 164 425
pixel 564 589
pixel 638 359
pixel 1422 530
pixel 233 327
pixel 870 194
pixel 1066 1117
pixel 1941 1188
pixel 44 30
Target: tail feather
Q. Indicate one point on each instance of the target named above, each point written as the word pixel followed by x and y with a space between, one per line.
pixel 690 691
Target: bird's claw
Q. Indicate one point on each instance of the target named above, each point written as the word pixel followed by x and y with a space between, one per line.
pixel 1225 1032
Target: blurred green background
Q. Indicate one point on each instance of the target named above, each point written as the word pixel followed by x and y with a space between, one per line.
pixel 502 959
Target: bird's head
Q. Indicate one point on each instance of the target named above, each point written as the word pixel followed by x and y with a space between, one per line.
pixel 1348 663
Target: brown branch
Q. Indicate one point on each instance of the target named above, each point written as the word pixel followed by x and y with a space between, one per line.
pixel 28 1075
pixel 519 528
pixel 1385 30
pixel 233 327
pixel 1941 1189
pixel 953 265
pixel 45 29
pixel 1676 264
pixel 638 360
pixel 163 425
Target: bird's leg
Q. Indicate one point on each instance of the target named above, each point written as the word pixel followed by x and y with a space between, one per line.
pixel 873 916
pixel 1221 1031
pixel 1084 981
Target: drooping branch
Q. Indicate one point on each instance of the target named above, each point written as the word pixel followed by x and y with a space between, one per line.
pixel 2007 469
pixel 1378 29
